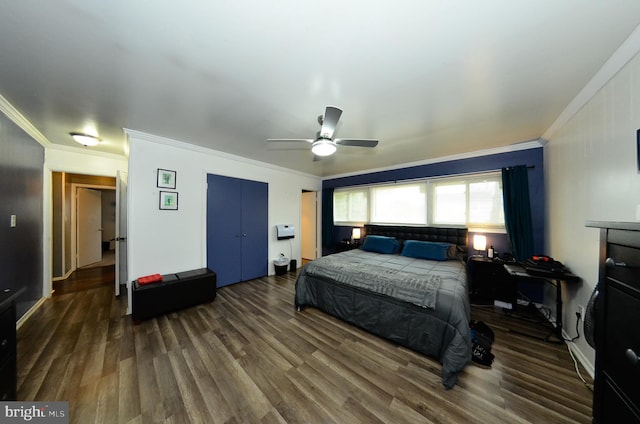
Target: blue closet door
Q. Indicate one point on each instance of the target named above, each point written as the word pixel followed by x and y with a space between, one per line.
pixel 255 229
pixel 224 228
pixel 237 228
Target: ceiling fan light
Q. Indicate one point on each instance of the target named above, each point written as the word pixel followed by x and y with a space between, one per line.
pixel 323 147
pixel 85 139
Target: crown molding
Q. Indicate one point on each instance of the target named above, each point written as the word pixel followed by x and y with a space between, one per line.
pixel 19 119
pixel 524 145
pixel 204 150
pixel 86 151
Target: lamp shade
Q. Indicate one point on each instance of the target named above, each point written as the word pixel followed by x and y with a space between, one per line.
pixel 479 242
pixel 323 147
pixel 356 233
pixel 85 139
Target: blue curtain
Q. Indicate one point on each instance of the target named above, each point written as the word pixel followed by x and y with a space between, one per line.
pixel 327 217
pixel 517 211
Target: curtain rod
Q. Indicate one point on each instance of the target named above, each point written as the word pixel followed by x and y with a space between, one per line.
pixel 436 177
pixel 509 167
pixel 464 174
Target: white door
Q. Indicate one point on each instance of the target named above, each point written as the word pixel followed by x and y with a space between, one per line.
pixel 309 225
pixel 121 230
pixel 89 226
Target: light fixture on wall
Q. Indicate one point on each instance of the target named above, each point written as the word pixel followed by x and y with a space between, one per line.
pixel 479 243
pixel 85 139
pixel 323 147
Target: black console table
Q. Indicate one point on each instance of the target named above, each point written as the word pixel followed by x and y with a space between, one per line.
pixel 8 342
pixel 555 278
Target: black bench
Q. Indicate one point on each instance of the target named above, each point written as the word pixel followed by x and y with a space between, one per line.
pixel 175 291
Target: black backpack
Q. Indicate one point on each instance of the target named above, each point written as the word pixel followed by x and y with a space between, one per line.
pixel 482 338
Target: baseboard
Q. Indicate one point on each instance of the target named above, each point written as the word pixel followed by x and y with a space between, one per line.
pixel 64 277
pixel 30 312
pixel 580 357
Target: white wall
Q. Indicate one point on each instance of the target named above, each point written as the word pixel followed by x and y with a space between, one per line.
pixel 83 161
pixel 592 174
pixel 171 241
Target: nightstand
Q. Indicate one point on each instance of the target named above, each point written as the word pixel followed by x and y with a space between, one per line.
pixel 489 282
pixel 344 246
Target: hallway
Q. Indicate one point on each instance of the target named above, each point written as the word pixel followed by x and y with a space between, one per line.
pixel 85 279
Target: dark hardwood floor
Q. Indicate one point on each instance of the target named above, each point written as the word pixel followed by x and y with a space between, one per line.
pixel 249 357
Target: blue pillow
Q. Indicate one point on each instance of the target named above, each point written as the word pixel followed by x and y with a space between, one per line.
pixel 381 244
pixel 434 251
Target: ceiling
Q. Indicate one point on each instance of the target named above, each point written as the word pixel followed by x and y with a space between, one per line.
pixel 427 78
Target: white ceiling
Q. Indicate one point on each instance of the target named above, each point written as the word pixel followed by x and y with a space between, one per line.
pixel 427 78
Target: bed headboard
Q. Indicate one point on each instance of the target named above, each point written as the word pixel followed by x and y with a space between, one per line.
pixel 448 235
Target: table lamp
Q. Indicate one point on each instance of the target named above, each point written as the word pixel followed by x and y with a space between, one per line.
pixel 479 243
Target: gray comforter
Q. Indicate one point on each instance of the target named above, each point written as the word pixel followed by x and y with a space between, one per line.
pixel 420 304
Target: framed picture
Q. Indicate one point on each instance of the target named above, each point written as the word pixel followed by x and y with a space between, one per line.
pixel 166 178
pixel 169 200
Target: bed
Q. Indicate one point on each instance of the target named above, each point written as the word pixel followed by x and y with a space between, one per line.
pixel 422 304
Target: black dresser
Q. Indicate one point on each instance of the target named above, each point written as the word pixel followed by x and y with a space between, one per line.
pixel 616 397
pixel 8 370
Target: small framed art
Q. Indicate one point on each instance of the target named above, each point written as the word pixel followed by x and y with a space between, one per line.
pixel 166 178
pixel 169 200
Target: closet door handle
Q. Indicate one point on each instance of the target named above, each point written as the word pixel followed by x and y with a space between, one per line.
pixel 611 263
pixel 244 235
pixel 631 356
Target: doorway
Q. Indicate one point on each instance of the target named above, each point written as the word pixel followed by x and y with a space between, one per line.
pixel 89 227
pixel 309 226
pixel 93 215
pixel 83 233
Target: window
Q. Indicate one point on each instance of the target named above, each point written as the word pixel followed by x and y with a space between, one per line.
pixel 399 204
pixel 470 200
pixel 350 206
pixel 485 203
pixel 450 203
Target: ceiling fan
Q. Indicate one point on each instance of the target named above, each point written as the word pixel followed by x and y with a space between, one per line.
pixel 324 144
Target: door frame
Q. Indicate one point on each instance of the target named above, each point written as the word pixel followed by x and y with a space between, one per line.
pixel 315 230
pixel 74 218
pixel 122 182
pixel 47 224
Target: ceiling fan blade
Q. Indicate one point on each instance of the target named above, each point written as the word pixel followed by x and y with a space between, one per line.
pixel 330 121
pixel 288 144
pixel 290 140
pixel 357 142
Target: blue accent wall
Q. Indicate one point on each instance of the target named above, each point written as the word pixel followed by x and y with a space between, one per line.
pixel 21 190
pixel 533 158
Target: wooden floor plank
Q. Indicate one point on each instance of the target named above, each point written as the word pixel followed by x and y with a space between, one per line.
pixel 250 357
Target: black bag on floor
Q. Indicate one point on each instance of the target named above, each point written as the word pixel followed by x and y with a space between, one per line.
pixel 482 338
